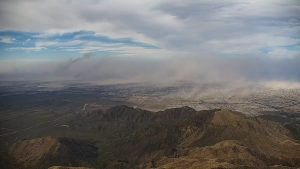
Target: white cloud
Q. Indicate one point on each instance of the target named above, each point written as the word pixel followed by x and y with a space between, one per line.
pixel 250 44
pixel 192 33
pixel 48 43
pixel 27 49
pixel 6 39
pixel 168 24
pixel 282 53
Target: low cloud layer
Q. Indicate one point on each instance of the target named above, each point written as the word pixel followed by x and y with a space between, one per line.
pixel 104 70
pixel 150 41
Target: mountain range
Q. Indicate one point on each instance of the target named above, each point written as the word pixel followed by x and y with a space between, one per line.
pixel 127 137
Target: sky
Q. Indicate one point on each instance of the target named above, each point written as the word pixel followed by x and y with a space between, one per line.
pixel 116 41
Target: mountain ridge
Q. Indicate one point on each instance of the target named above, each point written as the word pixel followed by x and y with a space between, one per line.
pixel 128 137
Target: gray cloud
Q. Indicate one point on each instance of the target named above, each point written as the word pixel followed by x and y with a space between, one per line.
pixel 199 40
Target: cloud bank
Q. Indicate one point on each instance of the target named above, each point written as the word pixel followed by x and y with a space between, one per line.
pixel 150 40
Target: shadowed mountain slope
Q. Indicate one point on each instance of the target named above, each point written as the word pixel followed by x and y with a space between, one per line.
pixel 129 137
pixel 48 151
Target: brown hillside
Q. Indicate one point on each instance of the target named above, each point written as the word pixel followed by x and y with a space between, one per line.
pixel 182 138
pixel 233 140
pixel 48 151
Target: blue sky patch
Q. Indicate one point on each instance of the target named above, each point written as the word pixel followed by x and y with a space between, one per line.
pixel 19 44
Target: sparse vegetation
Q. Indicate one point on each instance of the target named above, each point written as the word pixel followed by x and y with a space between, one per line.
pixel 174 138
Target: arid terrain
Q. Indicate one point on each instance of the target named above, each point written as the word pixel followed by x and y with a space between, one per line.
pixel 80 125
